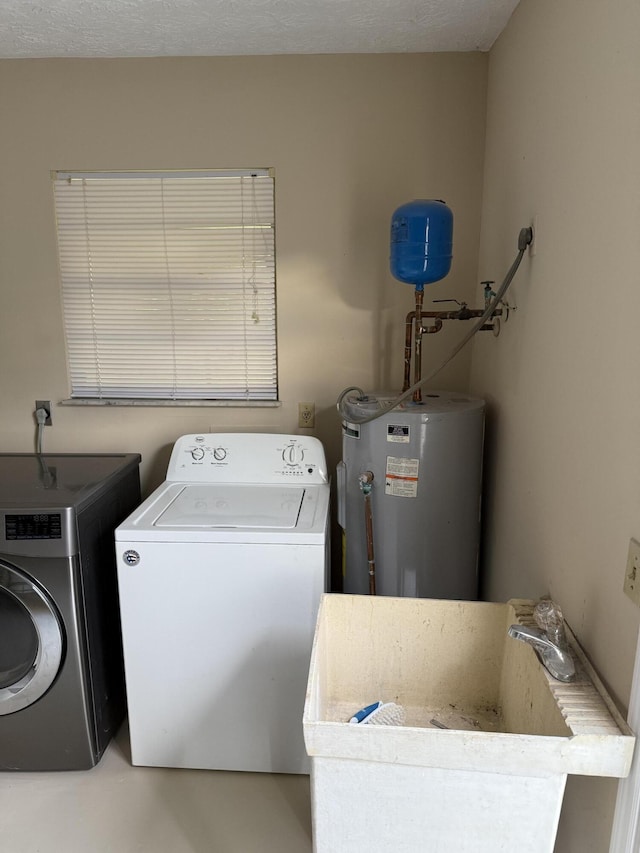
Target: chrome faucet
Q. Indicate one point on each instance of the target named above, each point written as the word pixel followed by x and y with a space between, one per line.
pixel 554 656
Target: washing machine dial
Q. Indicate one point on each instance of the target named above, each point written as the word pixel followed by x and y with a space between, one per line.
pixel 197 454
pixel 219 454
pixel 292 455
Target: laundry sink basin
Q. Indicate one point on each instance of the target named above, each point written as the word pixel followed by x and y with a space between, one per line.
pixel 488 740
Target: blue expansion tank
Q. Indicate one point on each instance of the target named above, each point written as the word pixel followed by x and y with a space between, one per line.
pixel 421 242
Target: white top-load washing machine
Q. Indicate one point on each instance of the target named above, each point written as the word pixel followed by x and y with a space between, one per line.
pixel 220 574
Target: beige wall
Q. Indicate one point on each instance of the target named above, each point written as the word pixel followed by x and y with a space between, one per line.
pixel 563 141
pixel 350 138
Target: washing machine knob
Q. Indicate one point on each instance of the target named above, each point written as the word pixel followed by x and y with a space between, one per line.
pixel 197 453
pixel 219 453
pixel 293 455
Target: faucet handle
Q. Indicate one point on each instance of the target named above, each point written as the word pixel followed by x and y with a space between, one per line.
pixel 548 616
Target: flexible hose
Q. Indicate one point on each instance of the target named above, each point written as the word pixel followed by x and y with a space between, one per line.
pixel 524 239
pixel 41 417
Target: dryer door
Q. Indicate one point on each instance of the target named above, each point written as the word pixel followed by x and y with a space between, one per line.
pixel 31 640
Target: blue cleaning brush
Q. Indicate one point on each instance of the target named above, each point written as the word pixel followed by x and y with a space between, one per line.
pixel 363 713
pixel 380 714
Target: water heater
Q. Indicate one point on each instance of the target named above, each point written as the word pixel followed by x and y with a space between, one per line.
pixel 426 462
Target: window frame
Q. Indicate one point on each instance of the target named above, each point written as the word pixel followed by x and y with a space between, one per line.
pixel 239 285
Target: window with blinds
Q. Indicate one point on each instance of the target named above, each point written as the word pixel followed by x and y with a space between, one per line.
pixel 168 284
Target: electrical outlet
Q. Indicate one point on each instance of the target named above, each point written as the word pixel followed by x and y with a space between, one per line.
pixel 306 415
pixel 46 405
pixel 632 573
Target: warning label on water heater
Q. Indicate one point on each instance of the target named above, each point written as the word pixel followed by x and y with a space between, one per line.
pixel 399 433
pixel 401 477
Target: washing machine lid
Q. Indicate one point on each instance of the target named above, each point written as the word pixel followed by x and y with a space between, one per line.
pixel 233 506
pixel 232 512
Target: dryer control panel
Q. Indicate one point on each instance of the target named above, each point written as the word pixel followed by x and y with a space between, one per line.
pixel 247 458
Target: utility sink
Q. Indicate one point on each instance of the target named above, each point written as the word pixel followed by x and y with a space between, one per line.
pixel 489 738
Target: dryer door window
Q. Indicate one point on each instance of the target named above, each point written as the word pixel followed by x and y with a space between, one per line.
pixel 18 640
pixel 30 641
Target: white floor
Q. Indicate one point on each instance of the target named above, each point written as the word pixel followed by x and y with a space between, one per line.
pixel 117 808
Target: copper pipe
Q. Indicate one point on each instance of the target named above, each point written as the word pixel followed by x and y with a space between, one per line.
pixel 426 330
pixel 431 330
pixel 417 366
pixel 411 319
pixel 408 339
pixel 461 314
pixel 408 333
pixel 366 480
pixel 368 520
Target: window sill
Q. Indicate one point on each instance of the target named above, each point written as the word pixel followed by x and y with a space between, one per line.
pixel 113 401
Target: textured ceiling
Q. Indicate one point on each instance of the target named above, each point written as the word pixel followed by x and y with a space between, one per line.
pixel 111 28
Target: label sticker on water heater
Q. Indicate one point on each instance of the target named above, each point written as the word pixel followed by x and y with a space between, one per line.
pixel 399 433
pixel 401 477
pixel 352 430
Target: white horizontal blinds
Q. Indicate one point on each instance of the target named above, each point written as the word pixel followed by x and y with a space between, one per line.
pixel 168 284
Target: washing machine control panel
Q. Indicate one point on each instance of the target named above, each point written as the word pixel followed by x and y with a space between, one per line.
pixel 247 458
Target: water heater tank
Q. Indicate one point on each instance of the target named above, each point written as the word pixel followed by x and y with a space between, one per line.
pixel 421 242
pixel 426 461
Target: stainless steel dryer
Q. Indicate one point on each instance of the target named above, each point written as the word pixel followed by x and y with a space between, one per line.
pixel 61 676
